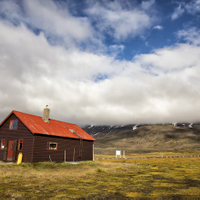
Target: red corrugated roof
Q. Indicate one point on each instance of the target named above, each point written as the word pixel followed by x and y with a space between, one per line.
pixel 55 128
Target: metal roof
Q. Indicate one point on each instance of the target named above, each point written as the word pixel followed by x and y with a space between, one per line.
pixel 54 128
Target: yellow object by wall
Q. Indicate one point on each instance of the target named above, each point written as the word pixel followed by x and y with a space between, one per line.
pixel 19 159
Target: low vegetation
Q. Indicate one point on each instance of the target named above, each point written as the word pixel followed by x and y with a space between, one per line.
pixel 167 178
pixel 111 153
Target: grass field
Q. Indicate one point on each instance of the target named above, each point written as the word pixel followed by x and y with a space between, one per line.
pixel 111 153
pixel 169 178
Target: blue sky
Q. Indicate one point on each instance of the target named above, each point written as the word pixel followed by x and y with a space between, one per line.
pixel 101 62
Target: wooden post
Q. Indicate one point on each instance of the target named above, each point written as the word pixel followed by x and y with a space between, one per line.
pixel 74 155
pixel 64 155
pixel 93 152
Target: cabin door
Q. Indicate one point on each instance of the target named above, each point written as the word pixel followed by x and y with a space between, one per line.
pixel 10 150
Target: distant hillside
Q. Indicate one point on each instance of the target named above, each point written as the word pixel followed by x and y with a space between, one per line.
pixel 103 131
pixel 146 137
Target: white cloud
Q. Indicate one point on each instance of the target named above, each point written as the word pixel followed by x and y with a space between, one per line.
pixel 53 19
pixel 34 73
pixel 170 58
pixel 120 21
pixel 146 5
pixel 94 88
pixel 114 50
pixel 47 16
pixel 10 9
pixel 191 35
pixel 193 7
pixel 177 12
pixel 158 27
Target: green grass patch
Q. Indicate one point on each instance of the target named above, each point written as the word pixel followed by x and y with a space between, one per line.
pixel 100 170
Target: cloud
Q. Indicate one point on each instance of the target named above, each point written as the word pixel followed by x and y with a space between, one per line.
pixel 88 31
pixel 191 7
pixel 10 10
pixel 92 87
pixel 42 73
pixel 115 50
pixel 177 12
pixel 61 27
pixel 54 19
pixel 191 35
pixel 158 27
pixel 159 87
pixel 170 59
pixel 122 21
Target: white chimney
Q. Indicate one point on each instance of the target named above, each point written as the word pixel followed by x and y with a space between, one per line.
pixel 46 114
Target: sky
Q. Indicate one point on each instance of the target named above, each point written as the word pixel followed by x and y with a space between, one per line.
pixel 103 62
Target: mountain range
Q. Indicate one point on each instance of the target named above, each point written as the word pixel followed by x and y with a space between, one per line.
pixel 146 137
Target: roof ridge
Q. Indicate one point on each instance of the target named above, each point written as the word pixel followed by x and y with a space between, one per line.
pixel 41 117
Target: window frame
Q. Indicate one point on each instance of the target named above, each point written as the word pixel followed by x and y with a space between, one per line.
pixel 20 141
pixel 11 124
pixel 48 146
pixel 3 141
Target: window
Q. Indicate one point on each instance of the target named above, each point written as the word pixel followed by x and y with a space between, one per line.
pixel 13 124
pixel 20 144
pixel 3 144
pixel 52 145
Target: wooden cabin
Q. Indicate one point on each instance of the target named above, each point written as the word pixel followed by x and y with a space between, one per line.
pixel 43 139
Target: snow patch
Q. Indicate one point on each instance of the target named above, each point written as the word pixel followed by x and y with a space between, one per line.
pixel 191 125
pixel 96 133
pixel 135 127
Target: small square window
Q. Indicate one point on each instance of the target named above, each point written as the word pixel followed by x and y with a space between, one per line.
pixel 52 145
pixel 13 124
pixel 3 144
pixel 20 144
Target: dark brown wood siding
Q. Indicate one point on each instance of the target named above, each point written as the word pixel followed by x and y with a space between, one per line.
pixel 21 133
pixel 41 153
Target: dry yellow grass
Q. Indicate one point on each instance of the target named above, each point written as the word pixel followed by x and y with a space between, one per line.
pixel 187 152
pixel 116 178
